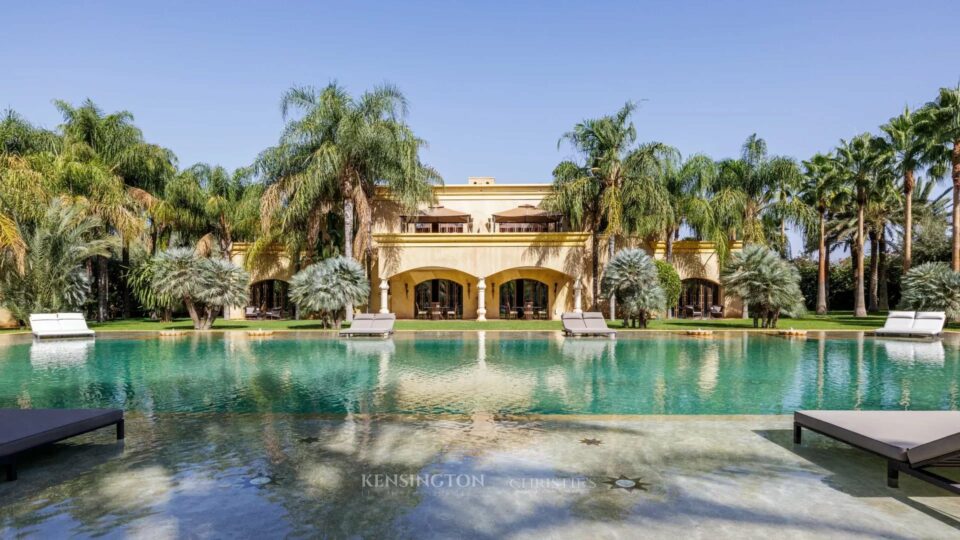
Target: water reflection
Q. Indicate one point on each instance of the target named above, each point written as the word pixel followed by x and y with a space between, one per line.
pixel 486 372
pixel 60 353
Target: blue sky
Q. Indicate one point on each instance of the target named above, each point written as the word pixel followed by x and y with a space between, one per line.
pixel 491 85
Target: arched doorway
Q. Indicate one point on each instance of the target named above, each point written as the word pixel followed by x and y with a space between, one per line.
pixel 438 298
pixel 697 296
pixel 270 299
pixel 524 298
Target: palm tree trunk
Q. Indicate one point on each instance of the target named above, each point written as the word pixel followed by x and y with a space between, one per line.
pixel 874 273
pixel 103 285
pixel 826 270
pixel 883 295
pixel 668 253
pixel 822 268
pixel 124 287
pixel 348 240
pixel 908 185
pixel 955 176
pixel 611 248
pixel 858 304
pixel 194 316
pixel 595 256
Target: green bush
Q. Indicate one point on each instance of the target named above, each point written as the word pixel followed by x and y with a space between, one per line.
pixel 932 287
pixel 670 283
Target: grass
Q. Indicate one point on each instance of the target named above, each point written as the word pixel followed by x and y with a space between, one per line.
pixel 840 320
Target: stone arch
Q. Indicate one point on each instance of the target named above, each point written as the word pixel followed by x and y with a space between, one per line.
pixel 559 285
pixel 401 292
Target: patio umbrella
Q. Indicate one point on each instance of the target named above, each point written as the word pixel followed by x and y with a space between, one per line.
pixel 439 214
pixel 526 213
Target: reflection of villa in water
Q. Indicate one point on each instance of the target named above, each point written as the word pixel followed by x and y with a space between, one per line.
pixel 488 251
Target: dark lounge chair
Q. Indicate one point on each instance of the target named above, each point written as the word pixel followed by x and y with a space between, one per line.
pixel 912 442
pixel 22 430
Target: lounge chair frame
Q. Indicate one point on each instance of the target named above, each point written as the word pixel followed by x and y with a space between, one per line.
pixel 895 467
pixel 9 461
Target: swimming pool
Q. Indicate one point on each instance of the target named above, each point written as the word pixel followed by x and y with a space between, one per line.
pixel 501 373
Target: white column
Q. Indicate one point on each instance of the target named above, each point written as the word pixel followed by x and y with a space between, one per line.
pixel 384 288
pixel 577 296
pixel 481 300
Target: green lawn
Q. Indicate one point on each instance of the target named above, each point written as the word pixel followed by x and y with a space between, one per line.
pixel 841 320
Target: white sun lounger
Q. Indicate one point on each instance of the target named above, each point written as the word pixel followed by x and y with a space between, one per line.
pixel 913 324
pixel 368 324
pixel 59 325
pixel 586 324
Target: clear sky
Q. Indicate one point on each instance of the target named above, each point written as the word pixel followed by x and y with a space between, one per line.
pixel 491 85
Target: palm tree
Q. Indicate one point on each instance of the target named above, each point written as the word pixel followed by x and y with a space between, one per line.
pixel 109 163
pixel 51 276
pixel 762 188
pixel 858 162
pixel 908 148
pixel 204 285
pixel 820 190
pixel 765 282
pixel 339 148
pixel 939 124
pixel 329 287
pixel 632 276
pixel 212 206
pixel 686 183
pixel 615 191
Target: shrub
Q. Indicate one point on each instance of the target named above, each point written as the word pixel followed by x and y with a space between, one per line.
pixel 767 284
pixel 632 276
pixel 204 285
pixel 329 286
pixel 670 283
pixel 932 286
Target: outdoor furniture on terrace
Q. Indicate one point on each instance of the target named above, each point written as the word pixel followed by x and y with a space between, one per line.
pixel 422 313
pixel 716 312
pixel 63 325
pixel 22 430
pixel 911 441
pixel 692 312
pixel 913 324
pixel 585 324
pixel 251 312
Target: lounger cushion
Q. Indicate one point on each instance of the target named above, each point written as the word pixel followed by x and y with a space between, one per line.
pixel 888 433
pixel 898 321
pixel 928 322
pixel 22 429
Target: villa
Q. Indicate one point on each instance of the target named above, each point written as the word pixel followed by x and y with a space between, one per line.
pixel 488 251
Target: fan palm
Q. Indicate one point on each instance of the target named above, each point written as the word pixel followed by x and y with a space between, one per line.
pixel 938 123
pixel 932 286
pixel 766 282
pixel 632 276
pixel 329 287
pixel 908 148
pixel 820 191
pixel 616 190
pixel 858 161
pixel 204 285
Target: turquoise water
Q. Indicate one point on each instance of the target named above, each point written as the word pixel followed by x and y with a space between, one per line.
pixel 498 373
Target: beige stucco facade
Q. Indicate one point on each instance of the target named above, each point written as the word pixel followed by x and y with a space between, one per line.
pixel 480 258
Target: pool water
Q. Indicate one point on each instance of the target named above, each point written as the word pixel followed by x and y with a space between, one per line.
pixel 499 373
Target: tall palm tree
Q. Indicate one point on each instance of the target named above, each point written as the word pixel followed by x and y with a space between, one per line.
pixel 858 160
pixel 339 148
pixel 763 188
pixel 109 163
pixel 615 190
pixel 686 183
pixel 908 149
pixel 820 191
pixel 939 125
